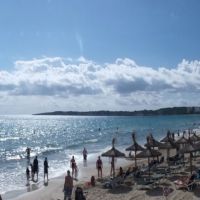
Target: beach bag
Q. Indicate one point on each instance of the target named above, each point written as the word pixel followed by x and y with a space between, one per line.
pixel 79 194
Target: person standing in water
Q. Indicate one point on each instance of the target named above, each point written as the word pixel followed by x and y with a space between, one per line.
pixel 28 152
pixel 32 172
pixel 27 175
pixel 73 165
pixel 46 166
pixel 35 166
pixel 85 154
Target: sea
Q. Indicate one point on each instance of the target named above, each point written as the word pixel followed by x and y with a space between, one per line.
pixel 60 137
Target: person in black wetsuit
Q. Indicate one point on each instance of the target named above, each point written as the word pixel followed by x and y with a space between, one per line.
pixel 35 166
pixel 46 166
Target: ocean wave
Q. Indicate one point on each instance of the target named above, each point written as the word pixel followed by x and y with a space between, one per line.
pixel 9 138
pixel 14 157
pixel 49 149
pixel 78 144
pixel 91 141
pixel 21 153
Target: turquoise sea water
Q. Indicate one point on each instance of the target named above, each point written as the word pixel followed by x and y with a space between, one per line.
pixel 60 137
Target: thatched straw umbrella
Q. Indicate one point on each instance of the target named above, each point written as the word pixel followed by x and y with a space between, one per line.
pixel 166 138
pixel 168 144
pixel 135 147
pixel 113 153
pixel 152 142
pixel 194 137
pixel 182 140
pixel 148 153
pixel 190 148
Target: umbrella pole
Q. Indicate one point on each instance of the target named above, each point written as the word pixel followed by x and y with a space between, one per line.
pixel 168 156
pixel 191 162
pixel 149 166
pixel 113 166
pixel 135 159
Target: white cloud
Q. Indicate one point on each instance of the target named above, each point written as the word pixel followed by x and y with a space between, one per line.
pixel 82 84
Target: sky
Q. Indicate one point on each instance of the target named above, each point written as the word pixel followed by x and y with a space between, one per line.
pixel 98 55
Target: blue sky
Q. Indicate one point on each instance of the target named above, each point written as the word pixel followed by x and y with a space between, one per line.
pixel 151 34
pixel 156 33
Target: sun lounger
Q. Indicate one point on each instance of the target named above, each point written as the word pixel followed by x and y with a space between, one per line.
pixel 185 183
pixel 143 184
pixel 114 182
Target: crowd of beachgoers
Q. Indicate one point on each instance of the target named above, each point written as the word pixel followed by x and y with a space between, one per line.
pixel 155 170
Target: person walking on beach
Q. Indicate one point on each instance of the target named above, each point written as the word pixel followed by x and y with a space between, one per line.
pixel 68 186
pixel 85 154
pixel 35 166
pixel 46 166
pixel 32 172
pixel 73 165
pixel 27 175
pixel 99 166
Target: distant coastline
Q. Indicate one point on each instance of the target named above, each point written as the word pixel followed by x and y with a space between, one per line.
pixel 161 111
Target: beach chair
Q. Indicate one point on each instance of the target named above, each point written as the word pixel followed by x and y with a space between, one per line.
pixel 114 182
pixel 185 183
pixel 144 184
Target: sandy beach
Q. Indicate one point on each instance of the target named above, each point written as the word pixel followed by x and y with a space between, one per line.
pixel 127 191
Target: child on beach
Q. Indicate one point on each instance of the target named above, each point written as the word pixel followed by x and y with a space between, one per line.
pixel 121 172
pixel 27 174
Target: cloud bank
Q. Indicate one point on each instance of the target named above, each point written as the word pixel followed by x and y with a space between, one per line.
pixel 86 85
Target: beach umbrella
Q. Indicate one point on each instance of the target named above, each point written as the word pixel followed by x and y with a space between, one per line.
pixel 151 142
pixel 166 138
pixel 194 138
pixel 113 153
pixel 190 148
pixel 148 153
pixel 168 144
pixel 182 140
pixel 135 147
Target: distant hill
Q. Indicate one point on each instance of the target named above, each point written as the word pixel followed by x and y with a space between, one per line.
pixel 161 111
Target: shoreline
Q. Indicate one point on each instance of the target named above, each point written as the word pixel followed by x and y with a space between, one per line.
pixel 54 189
pixel 56 183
